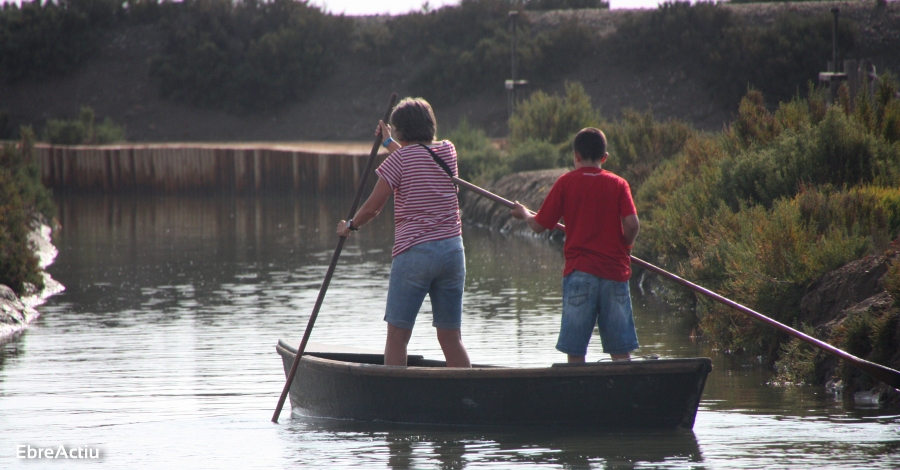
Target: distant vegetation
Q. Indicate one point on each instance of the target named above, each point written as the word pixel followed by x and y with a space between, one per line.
pixel 541 133
pixel 253 55
pixel 561 4
pixel 22 198
pixel 461 50
pixel 83 131
pixel 39 40
pixel 711 43
pixel 247 55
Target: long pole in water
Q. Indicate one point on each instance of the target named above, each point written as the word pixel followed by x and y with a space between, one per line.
pixel 880 372
pixel 334 259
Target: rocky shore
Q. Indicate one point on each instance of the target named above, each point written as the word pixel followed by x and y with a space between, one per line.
pixel 16 313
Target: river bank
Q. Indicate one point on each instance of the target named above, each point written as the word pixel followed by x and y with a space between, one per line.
pixel 832 306
pixel 15 312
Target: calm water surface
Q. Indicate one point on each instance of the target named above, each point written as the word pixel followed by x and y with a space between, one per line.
pixel 160 353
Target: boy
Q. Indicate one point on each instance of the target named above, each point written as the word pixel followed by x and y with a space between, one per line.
pixel 601 226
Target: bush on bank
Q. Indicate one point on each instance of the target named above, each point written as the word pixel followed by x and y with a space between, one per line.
pixel 22 197
pixel 83 131
pixel 772 204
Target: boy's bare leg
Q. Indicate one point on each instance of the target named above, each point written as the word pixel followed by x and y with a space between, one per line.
pixel 575 359
pixel 454 351
pixel 395 345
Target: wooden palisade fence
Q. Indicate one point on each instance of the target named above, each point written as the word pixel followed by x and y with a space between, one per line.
pixel 200 168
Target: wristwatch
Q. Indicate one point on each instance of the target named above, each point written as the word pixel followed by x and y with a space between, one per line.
pixel 350 225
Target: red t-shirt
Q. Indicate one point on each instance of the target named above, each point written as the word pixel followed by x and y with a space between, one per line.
pixel 592 202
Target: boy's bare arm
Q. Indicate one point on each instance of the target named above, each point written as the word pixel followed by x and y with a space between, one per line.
pixel 522 213
pixel 631 226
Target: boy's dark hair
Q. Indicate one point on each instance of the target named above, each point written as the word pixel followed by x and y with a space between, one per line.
pixel 413 121
pixel 590 143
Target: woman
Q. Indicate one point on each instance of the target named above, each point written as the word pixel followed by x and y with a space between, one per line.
pixel 428 253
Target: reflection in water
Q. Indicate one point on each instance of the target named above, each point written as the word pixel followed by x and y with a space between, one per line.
pixel 161 352
pixel 452 447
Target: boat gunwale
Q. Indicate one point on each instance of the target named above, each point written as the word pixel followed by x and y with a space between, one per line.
pixel 592 369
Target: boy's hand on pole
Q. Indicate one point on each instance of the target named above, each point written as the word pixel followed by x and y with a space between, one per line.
pixel 519 211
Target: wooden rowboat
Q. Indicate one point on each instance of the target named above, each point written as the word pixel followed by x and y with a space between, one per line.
pixel 642 394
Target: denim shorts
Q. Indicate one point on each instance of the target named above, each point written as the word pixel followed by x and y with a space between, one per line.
pixel 589 300
pixel 435 268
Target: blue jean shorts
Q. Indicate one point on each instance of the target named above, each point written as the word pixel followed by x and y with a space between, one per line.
pixel 589 300
pixel 435 268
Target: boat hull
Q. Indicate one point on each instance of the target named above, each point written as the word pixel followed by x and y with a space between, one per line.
pixel 641 394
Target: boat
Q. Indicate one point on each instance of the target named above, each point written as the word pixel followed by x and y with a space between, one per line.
pixel 344 383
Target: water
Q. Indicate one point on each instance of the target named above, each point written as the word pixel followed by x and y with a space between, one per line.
pixel 160 353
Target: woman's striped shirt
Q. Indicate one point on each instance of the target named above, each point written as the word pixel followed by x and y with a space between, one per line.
pixel 425 204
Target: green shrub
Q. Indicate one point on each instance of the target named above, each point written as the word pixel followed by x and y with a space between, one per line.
pixel 677 199
pixel 764 258
pixel 533 155
pixel 839 151
pixel 553 118
pixel 797 362
pixel 22 163
pixel 83 130
pixel 638 144
pixel 18 264
pixel 874 336
pixel 478 159
pixel 760 211
pixel 21 197
pixel 892 278
pixel 247 55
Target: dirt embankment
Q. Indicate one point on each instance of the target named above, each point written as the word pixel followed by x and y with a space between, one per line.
pixel 530 188
pixel 115 81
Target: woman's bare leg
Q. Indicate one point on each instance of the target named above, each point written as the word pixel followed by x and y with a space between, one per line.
pixel 454 351
pixel 395 345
